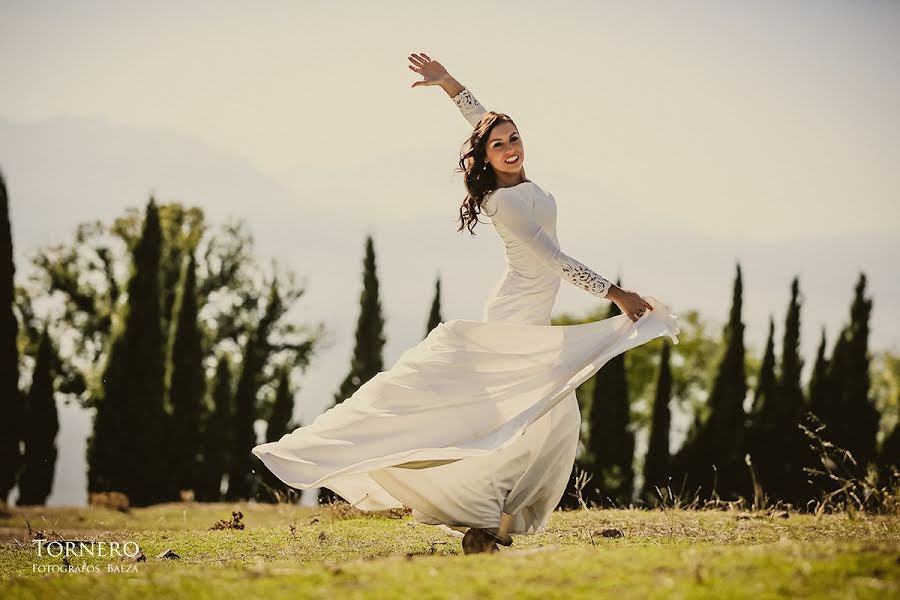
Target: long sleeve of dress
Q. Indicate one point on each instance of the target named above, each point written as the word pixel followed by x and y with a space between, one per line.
pixel 470 108
pixel 514 212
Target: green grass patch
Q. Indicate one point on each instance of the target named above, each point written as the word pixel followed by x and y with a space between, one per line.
pixel 297 552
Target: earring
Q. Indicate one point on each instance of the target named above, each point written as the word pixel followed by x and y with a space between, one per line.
pixel 484 168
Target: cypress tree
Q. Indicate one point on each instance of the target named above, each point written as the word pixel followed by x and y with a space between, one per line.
pixel 795 487
pixel 866 417
pixel 172 225
pixel 434 317
pixel 657 462
pixel 241 479
pixel 12 402
pixel 41 428
pixel 849 413
pixel 715 448
pixel 818 382
pixel 125 452
pixel 146 370
pixel 215 441
pixel 791 362
pixel 107 467
pixel 766 385
pixel 766 426
pixel 185 382
pixel 367 360
pixel 610 440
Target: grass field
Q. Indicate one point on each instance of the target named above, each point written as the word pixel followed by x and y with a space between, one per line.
pixel 287 551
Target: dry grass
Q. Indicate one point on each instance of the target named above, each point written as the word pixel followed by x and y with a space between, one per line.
pixel 292 551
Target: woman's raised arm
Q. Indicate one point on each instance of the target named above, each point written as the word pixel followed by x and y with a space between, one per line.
pixel 434 73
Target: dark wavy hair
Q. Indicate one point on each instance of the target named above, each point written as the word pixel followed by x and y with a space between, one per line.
pixel 478 176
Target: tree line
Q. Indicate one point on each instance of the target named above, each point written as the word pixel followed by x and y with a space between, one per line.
pixel 734 449
pixel 176 337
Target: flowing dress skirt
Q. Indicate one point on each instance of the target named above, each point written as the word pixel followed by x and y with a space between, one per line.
pixel 477 418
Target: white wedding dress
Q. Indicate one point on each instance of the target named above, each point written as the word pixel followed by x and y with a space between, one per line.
pixel 481 416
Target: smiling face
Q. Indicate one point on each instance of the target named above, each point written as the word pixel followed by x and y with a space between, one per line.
pixel 504 149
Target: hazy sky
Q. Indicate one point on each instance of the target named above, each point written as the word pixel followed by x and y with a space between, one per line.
pixel 678 138
pixel 689 110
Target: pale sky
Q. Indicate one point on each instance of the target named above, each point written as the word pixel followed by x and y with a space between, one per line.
pixel 676 137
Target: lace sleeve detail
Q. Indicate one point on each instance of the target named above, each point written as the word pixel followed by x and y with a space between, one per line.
pixel 470 108
pixel 583 277
pixel 515 213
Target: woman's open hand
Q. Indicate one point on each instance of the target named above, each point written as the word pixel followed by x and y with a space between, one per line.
pixel 629 302
pixel 433 72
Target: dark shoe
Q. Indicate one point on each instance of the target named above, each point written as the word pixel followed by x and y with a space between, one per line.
pixel 479 540
pixel 494 532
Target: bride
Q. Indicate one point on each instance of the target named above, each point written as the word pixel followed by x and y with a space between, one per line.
pixel 476 427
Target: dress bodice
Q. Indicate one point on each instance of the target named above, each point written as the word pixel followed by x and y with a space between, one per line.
pixel 519 258
pixel 528 288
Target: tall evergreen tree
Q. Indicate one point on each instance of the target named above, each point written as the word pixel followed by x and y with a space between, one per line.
pixel 241 480
pixel 124 452
pixel 181 229
pixel 765 436
pixel 849 413
pixel 367 360
pixel 657 462
pixel 216 438
pixel 12 401
pixel 864 431
pixel 767 382
pixel 714 452
pixel 434 317
pixel 185 382
pixel 818 382
pixel 795 486
pixel 610 439
pixel 41 428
